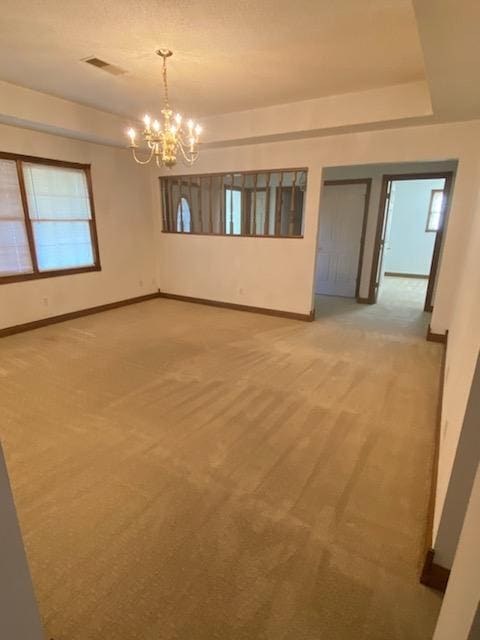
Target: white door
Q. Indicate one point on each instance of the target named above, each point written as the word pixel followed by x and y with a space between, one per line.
pixel 341 221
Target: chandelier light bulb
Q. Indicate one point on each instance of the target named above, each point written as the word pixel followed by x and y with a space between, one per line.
pixel 147 120
pixel 131 133
pixel 198 129
pixel 173 129
pixel 156 125
pixel 190 124
pixel 178 118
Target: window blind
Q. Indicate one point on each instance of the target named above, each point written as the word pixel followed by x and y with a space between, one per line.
pixel 14 250
pixel 59 208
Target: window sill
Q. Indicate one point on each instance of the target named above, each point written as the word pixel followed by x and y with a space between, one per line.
pixel 24 277
pixel 231 235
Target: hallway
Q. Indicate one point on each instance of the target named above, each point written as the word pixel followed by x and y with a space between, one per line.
pixel 192 473
pixel 399 310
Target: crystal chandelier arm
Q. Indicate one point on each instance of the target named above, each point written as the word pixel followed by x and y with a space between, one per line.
pixel 149 157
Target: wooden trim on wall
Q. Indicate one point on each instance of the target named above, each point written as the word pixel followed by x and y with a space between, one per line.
pixel 232 235
pixel 27 222
pixel 396 274
pixel 372 290
pixel 386 179
pixel 233 172
pixel 434 575
pixel 362 238
pixel 24 277
pixel 305 317
pixel 39 160
pixel 36 324
pixel 436 337
pixel 368 183
pixel 93 220
pixel 72 315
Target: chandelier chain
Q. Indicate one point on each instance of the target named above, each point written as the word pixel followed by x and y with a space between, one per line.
pixel 165 83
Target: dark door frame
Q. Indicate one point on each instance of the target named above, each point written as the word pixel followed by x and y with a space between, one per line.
pixel 368 183
pixel 384 197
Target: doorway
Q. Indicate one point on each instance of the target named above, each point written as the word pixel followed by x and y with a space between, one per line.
pixel 343 220
pixel 413 209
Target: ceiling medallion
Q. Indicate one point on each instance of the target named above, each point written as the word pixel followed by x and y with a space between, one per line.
pixel 169 139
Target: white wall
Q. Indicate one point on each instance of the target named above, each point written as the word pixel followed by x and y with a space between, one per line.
pixel 384 104
pixel 462 351
pixel 461 479
pixel 278 273
pixel 123 209
pixel 408 246
pixel 463 592
pixel 27 108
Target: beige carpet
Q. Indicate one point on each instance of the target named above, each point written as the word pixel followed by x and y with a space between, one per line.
pixel 191 473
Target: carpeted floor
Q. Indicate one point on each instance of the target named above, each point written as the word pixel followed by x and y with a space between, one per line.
pixel 191 473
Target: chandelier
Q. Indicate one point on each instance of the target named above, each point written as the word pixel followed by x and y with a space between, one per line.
pixel 168 139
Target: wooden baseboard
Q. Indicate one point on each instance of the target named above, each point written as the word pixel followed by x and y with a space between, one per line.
pixel 365 301
pixel 305 317
pixel 434 575
pixel 436 337
pixel 395 274
pixel 36 324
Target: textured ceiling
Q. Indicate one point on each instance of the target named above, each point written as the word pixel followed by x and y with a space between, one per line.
pixel 230 55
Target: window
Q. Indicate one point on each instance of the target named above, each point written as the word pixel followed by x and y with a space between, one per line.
pixel 183 216
pixel 252 203
pixel 233 210
pixel 14 249
pixel 47 223
pixel 435 210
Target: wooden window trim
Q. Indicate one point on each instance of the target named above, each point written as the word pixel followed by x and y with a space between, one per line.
pixel 167 181
pixel 36 274
pixel 234 235
pixel 429 214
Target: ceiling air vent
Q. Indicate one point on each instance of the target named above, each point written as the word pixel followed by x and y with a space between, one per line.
pixel 104 66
